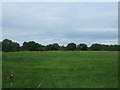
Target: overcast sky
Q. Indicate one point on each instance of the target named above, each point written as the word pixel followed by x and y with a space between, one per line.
pixel 62 23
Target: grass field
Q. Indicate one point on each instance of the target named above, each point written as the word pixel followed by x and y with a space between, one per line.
pixel 61 69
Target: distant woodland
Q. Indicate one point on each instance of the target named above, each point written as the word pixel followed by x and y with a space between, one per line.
pixel 10 46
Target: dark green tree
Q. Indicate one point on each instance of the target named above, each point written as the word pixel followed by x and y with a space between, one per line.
pixel 0 46
pixel 95 47
pixel 30 46
pixel 42 48
pixel 9 46
pixel 71 46
pixel 54 46
pixel 62 48
pixel 82 46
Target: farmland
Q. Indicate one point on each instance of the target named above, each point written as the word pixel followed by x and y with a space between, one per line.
pixel 60 69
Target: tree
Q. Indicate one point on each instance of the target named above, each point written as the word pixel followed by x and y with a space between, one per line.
pixel 54 46
pixel 95 47
pixel 113 48
pixel 30 46
pixel 9 46
pixel 118 47
pixel 42 48
pixel 82 46
pixel 0 46
pixel 62 48
pixel 71 46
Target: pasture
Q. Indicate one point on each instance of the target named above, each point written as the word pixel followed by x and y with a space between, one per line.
pixel 60 69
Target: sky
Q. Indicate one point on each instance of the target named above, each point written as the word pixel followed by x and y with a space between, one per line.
pixel 60 22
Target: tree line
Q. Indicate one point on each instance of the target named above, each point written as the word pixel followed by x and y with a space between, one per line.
pixel 10 46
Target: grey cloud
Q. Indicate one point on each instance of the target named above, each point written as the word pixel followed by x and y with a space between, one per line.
pixel 60 22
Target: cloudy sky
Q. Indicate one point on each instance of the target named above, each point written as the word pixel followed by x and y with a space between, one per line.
pixel 61 22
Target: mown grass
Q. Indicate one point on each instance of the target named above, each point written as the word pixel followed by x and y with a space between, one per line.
pixel 61 69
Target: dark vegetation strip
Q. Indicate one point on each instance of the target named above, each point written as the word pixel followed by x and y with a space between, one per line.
pixel 10 46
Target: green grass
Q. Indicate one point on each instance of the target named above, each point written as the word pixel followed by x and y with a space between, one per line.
pixel 61 69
